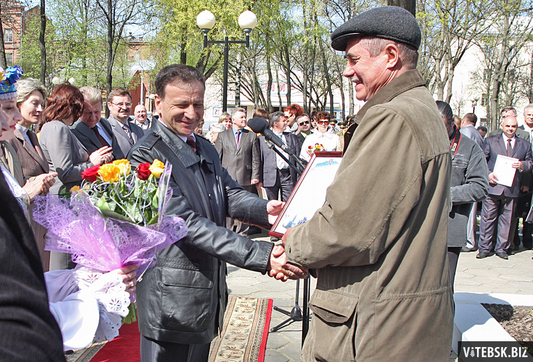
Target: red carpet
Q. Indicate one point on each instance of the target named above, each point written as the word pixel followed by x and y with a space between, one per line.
pixel 123 348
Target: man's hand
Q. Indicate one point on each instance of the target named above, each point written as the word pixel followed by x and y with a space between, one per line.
pixel 524 188
pixel 254 181
pixel 280 269
pixel 492 178
pixel 274 207
pixel 518 165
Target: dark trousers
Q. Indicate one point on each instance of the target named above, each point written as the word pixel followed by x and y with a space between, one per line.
pixel 157 351
pixel 496 209
pixel 283 183
pixel 522 206
pixel 453 257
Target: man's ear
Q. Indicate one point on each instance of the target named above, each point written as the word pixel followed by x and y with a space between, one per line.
pixel 158 101
pixel 393 56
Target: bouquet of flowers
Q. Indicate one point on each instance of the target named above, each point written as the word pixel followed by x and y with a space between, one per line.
pixel 316 148
pixel 114 219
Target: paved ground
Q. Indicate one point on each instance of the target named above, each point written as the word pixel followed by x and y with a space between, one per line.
pixel 490 275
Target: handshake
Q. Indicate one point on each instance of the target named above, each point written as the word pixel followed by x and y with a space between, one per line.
pixel 279 268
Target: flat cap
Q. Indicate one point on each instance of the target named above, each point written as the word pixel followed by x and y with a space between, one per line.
pixel 388 22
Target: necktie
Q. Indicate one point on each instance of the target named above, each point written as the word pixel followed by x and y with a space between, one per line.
pixel 509 148
pixel 238 138
pixel 191 142
pixel 102 140
pixel 128 132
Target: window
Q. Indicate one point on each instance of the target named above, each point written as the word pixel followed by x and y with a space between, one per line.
pixel 9 59
pixel 8 36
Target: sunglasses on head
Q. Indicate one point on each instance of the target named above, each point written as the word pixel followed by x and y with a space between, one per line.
pixel 304 122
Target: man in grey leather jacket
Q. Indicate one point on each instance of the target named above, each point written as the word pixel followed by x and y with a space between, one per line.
pixel 469 184
pixel 181 300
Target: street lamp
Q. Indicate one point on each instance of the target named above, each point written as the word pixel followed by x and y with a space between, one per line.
pixel 206 21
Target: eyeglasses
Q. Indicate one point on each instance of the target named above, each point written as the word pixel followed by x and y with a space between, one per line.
pixel 322 121
pixel 122 105
pixel 302 123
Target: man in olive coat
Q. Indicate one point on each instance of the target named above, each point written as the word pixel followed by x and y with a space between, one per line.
pixel 378 244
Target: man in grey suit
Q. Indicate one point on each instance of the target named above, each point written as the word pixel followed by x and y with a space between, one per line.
pixel 499 206
pixel 240 155
pixel 126 132
pixel 468 128
pixel 92 130
pixel 276 176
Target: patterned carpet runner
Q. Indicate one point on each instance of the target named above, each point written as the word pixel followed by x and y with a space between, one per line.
pixel 243 338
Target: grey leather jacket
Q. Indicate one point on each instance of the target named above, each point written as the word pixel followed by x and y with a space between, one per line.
pixel 182 299
pixel 469 184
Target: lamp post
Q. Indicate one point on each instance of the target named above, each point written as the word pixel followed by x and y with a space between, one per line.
pixel 206 21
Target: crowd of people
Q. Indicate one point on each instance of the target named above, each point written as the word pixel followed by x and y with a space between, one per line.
pixel 384 246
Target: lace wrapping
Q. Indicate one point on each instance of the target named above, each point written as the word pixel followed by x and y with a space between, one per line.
pixel 77 227
pixel 113 300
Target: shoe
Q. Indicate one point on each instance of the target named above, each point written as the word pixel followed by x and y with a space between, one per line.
pixel 482 255
pixel 254 230
pixel 502 255
pixel 468 250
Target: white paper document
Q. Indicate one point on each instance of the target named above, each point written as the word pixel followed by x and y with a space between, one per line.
pixel 504 171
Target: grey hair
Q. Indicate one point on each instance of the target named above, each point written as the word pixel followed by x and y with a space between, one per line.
pixel 530 105
pixel 235 110
pixel 275 117
pixel 91 94
pixel 408 55
pixel 27 86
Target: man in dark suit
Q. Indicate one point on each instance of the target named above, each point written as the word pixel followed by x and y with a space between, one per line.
pixel 127 133
pixel 499 205
pixel 240 155
pixel 276 175
pixel 91 129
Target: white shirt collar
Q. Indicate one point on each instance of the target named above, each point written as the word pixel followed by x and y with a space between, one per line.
pixel 21 128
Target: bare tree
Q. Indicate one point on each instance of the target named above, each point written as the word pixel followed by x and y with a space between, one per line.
pixel 510 30
pixel 42 45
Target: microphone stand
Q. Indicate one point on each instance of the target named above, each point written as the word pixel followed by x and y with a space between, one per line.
pixel 295 315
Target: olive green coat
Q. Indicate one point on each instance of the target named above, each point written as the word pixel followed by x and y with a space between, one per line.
pixel 379 242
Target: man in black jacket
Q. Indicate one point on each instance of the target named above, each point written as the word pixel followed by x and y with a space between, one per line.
pixel 181 300
pixel 28 331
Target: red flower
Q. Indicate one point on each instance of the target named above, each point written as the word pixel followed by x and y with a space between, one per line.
pixel 143 171
pixel 91 173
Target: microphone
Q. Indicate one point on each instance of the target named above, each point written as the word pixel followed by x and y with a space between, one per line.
pixel 260 125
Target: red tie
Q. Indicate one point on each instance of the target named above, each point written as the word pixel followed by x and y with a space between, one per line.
pixel 191 142
pixel 509 148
